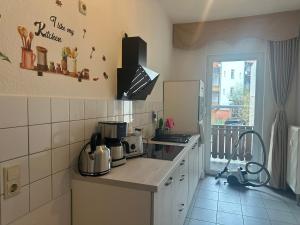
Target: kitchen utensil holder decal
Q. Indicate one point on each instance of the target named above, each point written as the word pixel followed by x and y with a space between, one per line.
pixel 28 59
pixel 38 61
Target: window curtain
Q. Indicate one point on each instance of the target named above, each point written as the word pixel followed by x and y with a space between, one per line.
pixel 284 62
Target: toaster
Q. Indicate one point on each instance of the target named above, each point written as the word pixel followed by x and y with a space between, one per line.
pixel 133 145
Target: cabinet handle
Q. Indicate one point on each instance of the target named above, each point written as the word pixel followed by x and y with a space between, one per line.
pixel 170 181
pixel 180 210
pixel 182 162
pixel 182 178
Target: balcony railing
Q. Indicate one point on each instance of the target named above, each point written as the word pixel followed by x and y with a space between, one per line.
pixel 223 139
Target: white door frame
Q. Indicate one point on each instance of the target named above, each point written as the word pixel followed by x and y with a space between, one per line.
pixel 259 57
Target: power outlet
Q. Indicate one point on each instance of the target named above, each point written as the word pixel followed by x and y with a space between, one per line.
pixel 12 183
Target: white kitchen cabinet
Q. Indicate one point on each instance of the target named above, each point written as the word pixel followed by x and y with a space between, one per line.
pixel 170 202
pixel 293 160
pixel 181 192
pixel 201 162
pixel 94 203
pixel 163 202
pixel 193 170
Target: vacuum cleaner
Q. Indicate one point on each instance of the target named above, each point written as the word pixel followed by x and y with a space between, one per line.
pixel 240 177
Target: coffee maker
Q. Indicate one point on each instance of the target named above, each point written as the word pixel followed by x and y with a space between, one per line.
pixel 113 134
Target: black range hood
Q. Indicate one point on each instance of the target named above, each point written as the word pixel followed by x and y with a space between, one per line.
pixel 135 80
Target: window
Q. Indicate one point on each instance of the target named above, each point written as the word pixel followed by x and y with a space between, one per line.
pixel 224 91
pixel 232 74
pixel 231 90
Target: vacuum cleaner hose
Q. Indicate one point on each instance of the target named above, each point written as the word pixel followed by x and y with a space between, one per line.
pixel 262 166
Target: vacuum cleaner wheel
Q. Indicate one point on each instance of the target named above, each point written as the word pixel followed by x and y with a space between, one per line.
pixel 233 180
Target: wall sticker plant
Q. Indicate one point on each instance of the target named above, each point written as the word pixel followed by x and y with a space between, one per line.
pixel 69 61
pixel 4 57
pixel 92 52
pixel 84 32
pixel 105 76
pixel 59 3
pixel 82 8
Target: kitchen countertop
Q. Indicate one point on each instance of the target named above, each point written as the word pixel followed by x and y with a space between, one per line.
pixel 141 173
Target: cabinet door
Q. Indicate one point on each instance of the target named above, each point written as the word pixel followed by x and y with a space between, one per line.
pixel 201 162
pixel 163 203
pixel 196 165
pixel 181 191
pixel 191 176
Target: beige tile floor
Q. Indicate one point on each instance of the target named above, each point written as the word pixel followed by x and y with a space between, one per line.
pixel 216 203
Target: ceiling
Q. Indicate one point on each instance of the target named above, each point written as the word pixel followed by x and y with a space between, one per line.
pixel 182 11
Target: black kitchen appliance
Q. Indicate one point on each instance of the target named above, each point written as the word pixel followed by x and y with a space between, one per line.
pixel 175 138
pixel 134 80
pixel 163 152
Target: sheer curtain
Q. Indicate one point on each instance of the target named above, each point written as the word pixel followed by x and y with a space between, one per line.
pixel 284 57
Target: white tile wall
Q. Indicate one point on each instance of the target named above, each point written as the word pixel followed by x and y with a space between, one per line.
pixel 76 109
pixel 39 111
pixel 75 149
pixel 76 131
pixel 60 134
pixel 40 193
pixel 13 111
pixel 127 106
pixel 23 162
pixel 90 109
pixel 60 159
pixel 14 208
pixel 45 136
pixel 101 108
pixel 90 126
pixel 40 165
pixel 39 138
pixel 14 143
pixel 60 109
pixel 60 183
pixel 139 107
pixel 111 110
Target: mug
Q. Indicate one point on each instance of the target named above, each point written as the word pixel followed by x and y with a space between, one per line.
pixel 28 59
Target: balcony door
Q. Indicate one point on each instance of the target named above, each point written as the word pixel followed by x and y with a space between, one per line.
pixel 235 93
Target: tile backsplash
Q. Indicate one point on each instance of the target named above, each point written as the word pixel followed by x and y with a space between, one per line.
pixel 44 136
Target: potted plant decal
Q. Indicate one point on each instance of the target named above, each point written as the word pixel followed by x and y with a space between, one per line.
pixel 72 65
pixel 4 57
pixel 66 51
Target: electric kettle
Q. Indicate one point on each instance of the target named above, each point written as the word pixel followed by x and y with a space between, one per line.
pixel 94 158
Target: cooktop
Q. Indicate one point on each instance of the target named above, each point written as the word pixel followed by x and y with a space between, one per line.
pixel 163 152
pixel 176 138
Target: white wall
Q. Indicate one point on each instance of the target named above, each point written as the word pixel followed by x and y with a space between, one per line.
pixel 192 64
pixel 106 22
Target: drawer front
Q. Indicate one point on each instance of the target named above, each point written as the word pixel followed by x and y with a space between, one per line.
pixel 184 166
pixel 181 213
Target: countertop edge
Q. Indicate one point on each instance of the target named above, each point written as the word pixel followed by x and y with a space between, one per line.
pixel 141 186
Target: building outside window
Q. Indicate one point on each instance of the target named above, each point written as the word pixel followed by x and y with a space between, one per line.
pixel 232 74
